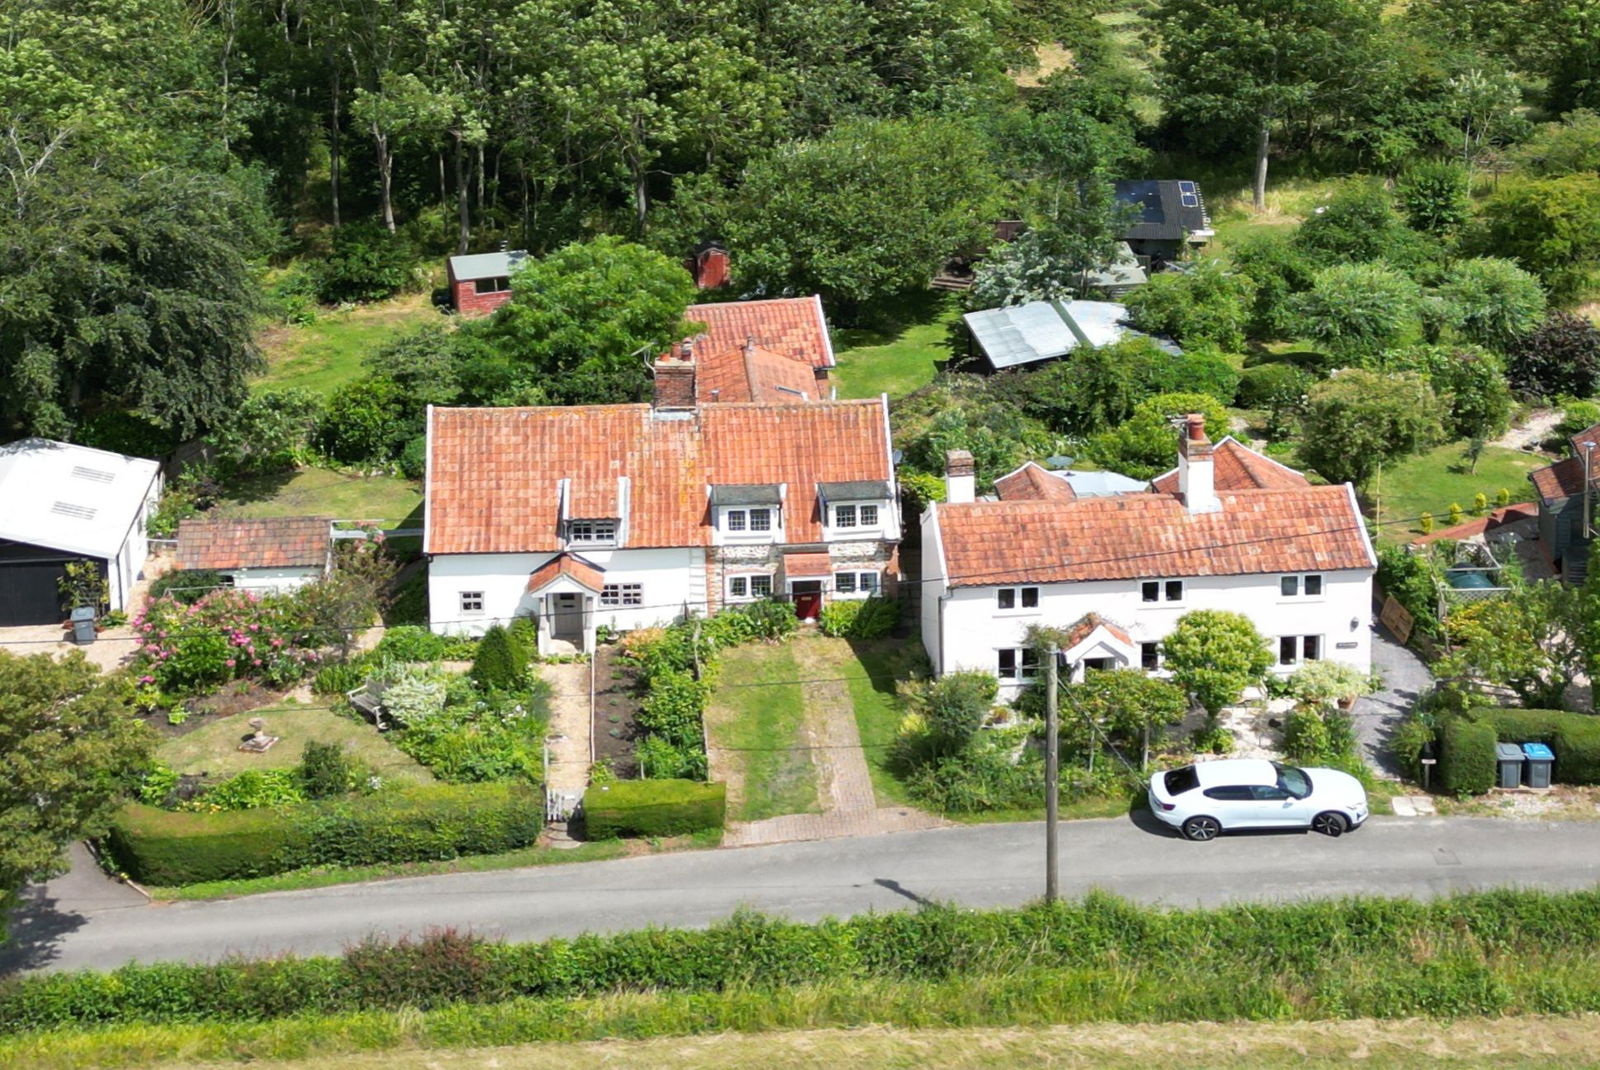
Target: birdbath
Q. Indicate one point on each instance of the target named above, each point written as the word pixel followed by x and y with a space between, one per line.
pixel 259 741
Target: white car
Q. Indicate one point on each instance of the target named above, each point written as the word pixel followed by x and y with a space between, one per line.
pixel 1207 798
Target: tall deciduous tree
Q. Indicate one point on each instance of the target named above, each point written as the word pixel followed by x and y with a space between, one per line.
pixel 1251 65
pixel 1359 419
pixel 69 749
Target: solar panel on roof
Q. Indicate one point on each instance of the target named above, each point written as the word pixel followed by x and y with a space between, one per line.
pixel 1189 200
pixel 1186 187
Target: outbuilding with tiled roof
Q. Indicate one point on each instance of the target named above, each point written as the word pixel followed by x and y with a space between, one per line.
pixel 269 553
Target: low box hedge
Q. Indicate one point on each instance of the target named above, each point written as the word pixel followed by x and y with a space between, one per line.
pixel 418 824
pixel 1574 737
pixel 1466 756
pixel 653 808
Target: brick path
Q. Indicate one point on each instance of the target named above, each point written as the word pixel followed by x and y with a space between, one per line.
pixel 844 783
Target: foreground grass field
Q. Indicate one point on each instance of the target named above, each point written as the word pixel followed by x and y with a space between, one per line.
pixel 214 748
pixel 1464 1044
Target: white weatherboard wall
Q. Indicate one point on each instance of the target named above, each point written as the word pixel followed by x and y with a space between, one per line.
pixel 670 578
pixel 973 629
pixel 273 579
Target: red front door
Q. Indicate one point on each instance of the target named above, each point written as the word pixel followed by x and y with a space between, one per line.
pixel 808 600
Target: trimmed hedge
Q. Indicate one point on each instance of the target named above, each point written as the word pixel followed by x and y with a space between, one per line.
pixel 1466 757
pixel 1327 959
pixel 653 808
pixel 419 824
pixel 1575 738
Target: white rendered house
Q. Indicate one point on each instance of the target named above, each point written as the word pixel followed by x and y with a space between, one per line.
pixel 1119 570
pixel 625 516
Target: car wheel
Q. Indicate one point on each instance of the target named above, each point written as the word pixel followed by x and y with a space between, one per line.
pixel 1201 829
pixel 1330 823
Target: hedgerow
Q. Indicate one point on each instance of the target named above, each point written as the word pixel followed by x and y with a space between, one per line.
pixel 1486 953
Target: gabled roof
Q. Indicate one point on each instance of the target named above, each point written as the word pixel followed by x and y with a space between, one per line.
pixel 486 265
pixel 1141 536
pixel 752 374
pixel 278 542
pixel 584 573
pixel 1584 437
pixel 1238 467
pixel 792 327
pixel 1090 623
pixel 72 498
pixel 1169 209
pixel 1032 481
pixel 494 474
pixel 1553 482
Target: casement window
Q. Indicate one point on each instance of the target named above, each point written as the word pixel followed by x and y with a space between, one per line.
pixel 1020 663
pixel 592 532
pixel 472 601
pixel 1161 591
pixel 855 583
pixel 749 520
pixel 1298 649
pixel 1303 586
pixel 1150 656
pixel 491 286
pixel 855 516
pixel 749 587
pixel 622 594
pixel 1014 597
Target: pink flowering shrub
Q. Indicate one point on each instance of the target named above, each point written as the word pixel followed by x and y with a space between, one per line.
pixel 227 635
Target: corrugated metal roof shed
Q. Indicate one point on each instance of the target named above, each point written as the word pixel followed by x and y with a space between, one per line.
pixel 1044 330
pixel 72 498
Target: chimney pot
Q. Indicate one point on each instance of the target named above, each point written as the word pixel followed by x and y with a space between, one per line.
pixel 1196 474
pixel 1197 427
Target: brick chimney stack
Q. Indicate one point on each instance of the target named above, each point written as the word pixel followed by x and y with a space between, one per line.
pixel 960 477
pixel 1196 473
pixel 674 375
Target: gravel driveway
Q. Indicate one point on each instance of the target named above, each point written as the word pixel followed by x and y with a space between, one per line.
pixel 1405 677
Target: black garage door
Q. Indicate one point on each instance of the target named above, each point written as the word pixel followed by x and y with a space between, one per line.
pixel 29 593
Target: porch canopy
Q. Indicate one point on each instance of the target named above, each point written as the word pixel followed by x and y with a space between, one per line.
pixel 566 574
pixel 809 565
pixel 1094 638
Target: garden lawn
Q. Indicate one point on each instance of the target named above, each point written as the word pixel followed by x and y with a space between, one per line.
pixel 214 748
pixel 899 355
pixel 1430 482
pixel 877 665
pixel 324 355
pixel 757 716
pixel 388 500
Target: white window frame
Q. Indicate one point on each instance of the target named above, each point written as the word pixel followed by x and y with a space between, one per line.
pixel 1301 581
pixel 739 522
pixel 622 595
pixel 1299 657
pixel 748 581
pixel 844 516
pixel 855 516
pixel 590 531
pixel 469 609
pixel 1024 664
pixel 1158 656
pixel 854 587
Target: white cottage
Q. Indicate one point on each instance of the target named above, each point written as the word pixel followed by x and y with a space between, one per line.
pixel 624 516
pixel 1227 529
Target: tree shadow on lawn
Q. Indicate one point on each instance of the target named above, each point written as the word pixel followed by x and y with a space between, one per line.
pixel 881 322
pixel 251 490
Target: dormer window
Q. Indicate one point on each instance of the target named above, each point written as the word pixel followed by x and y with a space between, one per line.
pixel 592 532
pixel 855 516
pixel 756 520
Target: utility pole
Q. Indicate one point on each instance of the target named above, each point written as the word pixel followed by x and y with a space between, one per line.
pixel 1052 751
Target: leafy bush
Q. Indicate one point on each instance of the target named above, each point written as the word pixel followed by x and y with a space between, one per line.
pixel 270 431
pixel 1413 583
pixel 653 808
pixel 983 777
pixel 1466 757
pixel 674 707
pixel 366 421
pixel 1313 736
pixel 1323 683
pixel 414 458
pixel 185 585
pixel 1560 356
pixel 412 693
pixel 1207 303
pixel 1574 737
pixel 1279 270
pixel 410 642
pixel 1435 196
pixel 418 824
pixel 500 662
pixel 325 770
pixel 1408 740
pixel 949 711
pixel 1146 445
pixel 871 618
pixel 253 789
pixel 339 677
pixel 367 263
pixel 1357 226
pixel 660 758
pixel 482 735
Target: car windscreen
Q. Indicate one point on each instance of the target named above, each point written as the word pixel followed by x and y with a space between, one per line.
pixel 1178 781
pixel 1294 781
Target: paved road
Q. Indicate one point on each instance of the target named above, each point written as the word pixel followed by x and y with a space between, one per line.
pixel 996 865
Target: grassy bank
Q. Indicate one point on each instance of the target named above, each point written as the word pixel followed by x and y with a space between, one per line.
pixel 757 717
pixel 390 500
pixel 1461 1044
pixel 878 709
pixel 324 355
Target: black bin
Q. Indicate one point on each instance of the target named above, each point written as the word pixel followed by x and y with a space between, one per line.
pixel 1510 759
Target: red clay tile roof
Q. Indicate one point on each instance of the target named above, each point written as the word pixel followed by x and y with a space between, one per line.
pixel 1588 434
pixel 493 473
pixel 1086 626
pixel 807 565
pixel 754 374
pixel 279 542
pixel 1564 479
pixel 1032 482
pixel 1136 536
pixel 585 574
pixel 1481 525
pixel 792 327
pixel 1238 467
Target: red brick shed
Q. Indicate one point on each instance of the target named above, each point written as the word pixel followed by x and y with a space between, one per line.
pixel 481 282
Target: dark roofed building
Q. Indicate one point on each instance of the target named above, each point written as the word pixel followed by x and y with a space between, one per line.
pixel 1171 216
